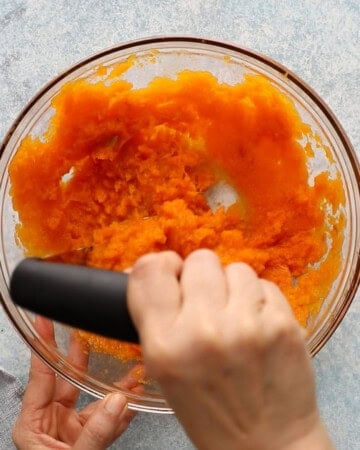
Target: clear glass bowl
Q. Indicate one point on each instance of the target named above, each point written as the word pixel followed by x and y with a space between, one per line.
pixel 173 54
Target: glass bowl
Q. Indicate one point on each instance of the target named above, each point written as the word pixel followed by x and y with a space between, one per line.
pixel 166 56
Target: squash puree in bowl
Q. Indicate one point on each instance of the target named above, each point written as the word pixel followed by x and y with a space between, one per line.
pixel 127 171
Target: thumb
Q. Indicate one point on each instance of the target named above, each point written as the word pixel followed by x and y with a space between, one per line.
pixel 104 425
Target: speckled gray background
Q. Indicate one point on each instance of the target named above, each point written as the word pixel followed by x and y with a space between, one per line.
pixel 318 39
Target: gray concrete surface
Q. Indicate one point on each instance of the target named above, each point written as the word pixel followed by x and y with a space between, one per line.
pixel 318 39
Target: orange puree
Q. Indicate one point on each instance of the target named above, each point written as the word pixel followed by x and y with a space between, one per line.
pixel 126 171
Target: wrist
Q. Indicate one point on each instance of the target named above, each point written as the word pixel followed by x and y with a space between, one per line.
pixel 317 438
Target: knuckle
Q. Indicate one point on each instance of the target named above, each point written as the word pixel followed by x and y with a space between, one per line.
pixel 286 331
pixel 208 341
pixel 215 343
pixel 170 261
pixel 162 359
pixel 162 262
pixel 241 269
pixel 166 360
pixel 270 285
pixel 202 256
pixel 272 290
pixel 248 338
pixel 144 265
pixel 168 258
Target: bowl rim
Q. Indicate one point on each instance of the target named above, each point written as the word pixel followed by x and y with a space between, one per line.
pixel 221 45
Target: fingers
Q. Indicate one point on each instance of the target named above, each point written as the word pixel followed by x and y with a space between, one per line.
pixel 41 387
pixel 61 390
pixel 203 284
pixel 78 356
pixel 245 290
pixel 276 300
pixel 264 317
pixel 25 439
pixel 279 323
pixel 243 324
pixel 42 381
pixel 87 412
pixel 106 423
pixel 45 328
pixel 153 287
pixel 132 380
pixel 281 329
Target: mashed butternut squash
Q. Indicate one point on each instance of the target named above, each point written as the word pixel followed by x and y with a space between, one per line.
pixel 128 171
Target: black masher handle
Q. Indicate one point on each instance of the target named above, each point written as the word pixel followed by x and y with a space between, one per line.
pixel 83 297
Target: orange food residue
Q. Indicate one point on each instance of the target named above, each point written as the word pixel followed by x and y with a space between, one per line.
pixel 127 171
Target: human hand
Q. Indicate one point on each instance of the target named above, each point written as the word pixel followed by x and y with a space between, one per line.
pixel 227 352
pixel 48 419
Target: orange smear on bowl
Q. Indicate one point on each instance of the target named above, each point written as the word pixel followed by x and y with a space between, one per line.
pixel 127 171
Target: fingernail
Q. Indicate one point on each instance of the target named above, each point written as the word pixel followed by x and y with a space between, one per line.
pixel 115 403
